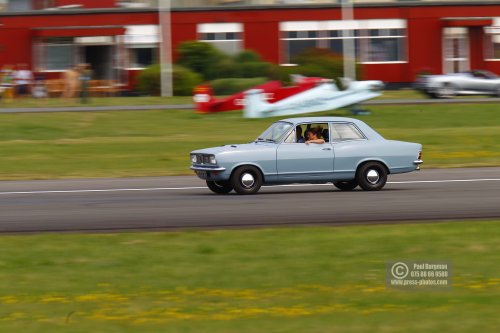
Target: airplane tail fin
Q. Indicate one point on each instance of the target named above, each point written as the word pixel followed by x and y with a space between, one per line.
pixel 255 103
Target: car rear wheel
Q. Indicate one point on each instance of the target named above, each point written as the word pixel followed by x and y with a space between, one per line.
pixel 346 185
pixel 372 176
pixel 246 180
pixel 220 187
pixel 497 91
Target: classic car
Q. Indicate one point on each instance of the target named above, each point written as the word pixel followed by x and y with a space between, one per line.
pixel 352 154
pixel 476 82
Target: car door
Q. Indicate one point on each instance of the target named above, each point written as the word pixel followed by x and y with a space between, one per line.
pixel 478 82
pixel 350 146
pixel 304 162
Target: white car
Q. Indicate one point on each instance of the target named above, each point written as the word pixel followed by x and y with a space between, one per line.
pixel 477 82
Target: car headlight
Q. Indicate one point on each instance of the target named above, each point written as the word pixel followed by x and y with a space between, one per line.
pixel 193 158
pixel 212 159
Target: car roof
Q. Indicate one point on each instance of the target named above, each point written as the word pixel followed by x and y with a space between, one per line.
pixel 320 120
pixel 369 132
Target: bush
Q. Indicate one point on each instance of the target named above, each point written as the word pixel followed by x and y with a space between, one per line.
pixel 199 57
pixel 211 63
pixel 231 86
pixel 223 69
pixel 149 80
pixel 253 69
pixel 247 56
pixel 331 63
pixel 184 80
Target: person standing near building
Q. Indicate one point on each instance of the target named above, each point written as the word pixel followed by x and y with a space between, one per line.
pixel 23 79
pixel 7 83
pixel 85 77
pixel 71 82
pixel 39 87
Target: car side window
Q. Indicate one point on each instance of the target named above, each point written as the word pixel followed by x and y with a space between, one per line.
pixel 291 138
pixel 320 128
pixel 346 131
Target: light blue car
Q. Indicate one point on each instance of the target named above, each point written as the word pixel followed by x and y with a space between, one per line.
pixel 343 151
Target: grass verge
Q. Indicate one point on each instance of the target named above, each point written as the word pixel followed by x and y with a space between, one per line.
pixel 153 143
pixel 328 279
pixel 152 100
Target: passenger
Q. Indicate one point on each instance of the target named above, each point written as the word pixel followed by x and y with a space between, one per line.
pixel 306 134
pixel 314 137
pixel 300 138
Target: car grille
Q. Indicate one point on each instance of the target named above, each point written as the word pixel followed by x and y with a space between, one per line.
pixel 202 159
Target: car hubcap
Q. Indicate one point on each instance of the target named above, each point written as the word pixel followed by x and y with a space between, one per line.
pixel 247 180
pixel 372 176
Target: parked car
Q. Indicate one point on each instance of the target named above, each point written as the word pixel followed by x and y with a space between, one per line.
pixel 476 82
pixel 352 154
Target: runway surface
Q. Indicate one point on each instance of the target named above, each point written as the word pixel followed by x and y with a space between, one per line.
pixel 185 202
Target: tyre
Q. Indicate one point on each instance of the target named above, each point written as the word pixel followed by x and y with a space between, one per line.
pixel 221 187
pixel 246 180
pixel 371 176
pixel 497 91
pixel 445 91
pixel 346 185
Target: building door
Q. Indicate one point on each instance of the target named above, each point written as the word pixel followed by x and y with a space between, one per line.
pixel 101 61
pixel 456 57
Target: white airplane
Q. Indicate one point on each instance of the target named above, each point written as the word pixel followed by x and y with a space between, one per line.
pixel 324 97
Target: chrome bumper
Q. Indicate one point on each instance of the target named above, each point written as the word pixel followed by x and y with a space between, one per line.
pixel 202 168
pixel 208 173
pixel 417 163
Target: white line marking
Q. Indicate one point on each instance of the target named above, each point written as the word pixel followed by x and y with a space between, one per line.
pixel 203 187
pixel 446 181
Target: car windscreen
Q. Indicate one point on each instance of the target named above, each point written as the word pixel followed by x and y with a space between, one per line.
pixel 275 132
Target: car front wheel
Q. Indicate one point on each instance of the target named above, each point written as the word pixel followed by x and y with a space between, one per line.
pixel 346 185
pixel 372 176
pixel 246 180
pixel 220 187
pixel 445 91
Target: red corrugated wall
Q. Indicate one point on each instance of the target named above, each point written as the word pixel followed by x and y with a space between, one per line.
pixel 261 32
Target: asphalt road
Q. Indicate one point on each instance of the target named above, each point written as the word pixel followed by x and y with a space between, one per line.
pixel 184 202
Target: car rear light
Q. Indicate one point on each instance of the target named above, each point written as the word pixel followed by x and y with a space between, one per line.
pixel 419 155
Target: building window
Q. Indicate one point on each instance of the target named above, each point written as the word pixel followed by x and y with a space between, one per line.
pixel 141 45
pixel 138 3
pixel 55 54
pixel 376 41
pixel 19 5
pixel 455 49
pixel 227 37
pixel 492 40
pixel 43 4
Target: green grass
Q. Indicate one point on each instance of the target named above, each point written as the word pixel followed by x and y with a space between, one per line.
pixel 157 100
pixel 328 279
pixel 153 143
pixel 96 101
pixel 153 100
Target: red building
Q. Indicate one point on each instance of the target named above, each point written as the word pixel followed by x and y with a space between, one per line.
pixel 393 40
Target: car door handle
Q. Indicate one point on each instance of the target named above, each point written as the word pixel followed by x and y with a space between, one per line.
pixel 327 148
